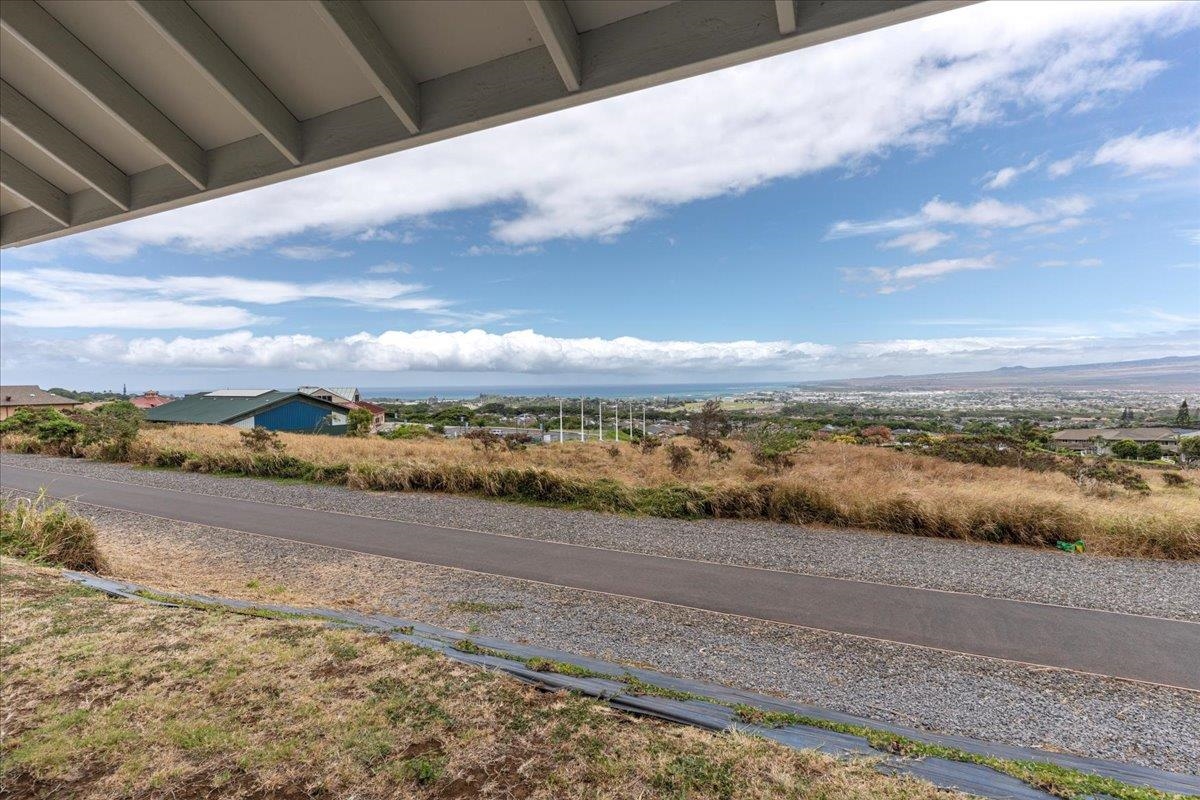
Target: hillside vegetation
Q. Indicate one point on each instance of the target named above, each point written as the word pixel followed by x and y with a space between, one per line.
pixel 830 483
pixel 109 698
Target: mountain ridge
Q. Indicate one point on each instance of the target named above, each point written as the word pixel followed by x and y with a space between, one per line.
pixel 1169 373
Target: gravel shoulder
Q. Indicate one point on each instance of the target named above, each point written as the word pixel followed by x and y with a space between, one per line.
pixel 1138 586
pixel 978 697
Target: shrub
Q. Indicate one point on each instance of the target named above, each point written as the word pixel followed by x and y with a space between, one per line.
pixel 358 422
pixel 613 451
pixel 261 440
pixel 516 441
pixel 679 457
pixel 716 449
pixel 772 446
pixel 110 431
pixel 1126 448
pixel 648 444
pixel 407 432
pixel 1150 451
pixel 876 434
pixel 483 439
pixel 47 533
pixel 1175 481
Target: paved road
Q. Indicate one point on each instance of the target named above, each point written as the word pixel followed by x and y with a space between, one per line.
pixel 1121 645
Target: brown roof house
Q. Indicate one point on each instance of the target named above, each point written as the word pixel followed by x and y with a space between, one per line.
pixel 151 399
pixel 1100 440
pixel 14 397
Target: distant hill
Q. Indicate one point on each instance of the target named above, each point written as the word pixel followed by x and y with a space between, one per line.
pixel 1175 373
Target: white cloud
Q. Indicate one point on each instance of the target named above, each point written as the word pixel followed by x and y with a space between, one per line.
pixel 302 252
pixel 987 213
pixel 62 298
pixel 386 235
pixel 528 352
pixel 389 268
pixel 1082 262
pixel 896 279
pixel 1134 153
pixel 566 174
pixel 1065 166
pixel 445 351
pixel 1005 176
pixel 1152 153
pixel 918 241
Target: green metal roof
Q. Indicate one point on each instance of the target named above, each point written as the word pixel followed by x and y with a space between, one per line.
pixel 207 409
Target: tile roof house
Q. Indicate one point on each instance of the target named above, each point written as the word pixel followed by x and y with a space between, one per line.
pixel 151 399
pixel 249 408
pixel 14 397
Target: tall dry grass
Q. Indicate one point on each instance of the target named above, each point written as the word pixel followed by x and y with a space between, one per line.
pixel 831 484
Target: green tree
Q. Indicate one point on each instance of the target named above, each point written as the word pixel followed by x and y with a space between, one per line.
pixel 1183 418
pixel 358 422
pixel 1189 449
pixel 1150 451
pixel 710 422
pixel 1126 448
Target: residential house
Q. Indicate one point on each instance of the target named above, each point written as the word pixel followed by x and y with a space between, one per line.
pixel 150 399
pixel 378 413
pixel 14 397
pixel 342 395
pixel 250 408
pixel 1099 441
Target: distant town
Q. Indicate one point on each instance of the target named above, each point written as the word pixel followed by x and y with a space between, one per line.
pixel 1129 423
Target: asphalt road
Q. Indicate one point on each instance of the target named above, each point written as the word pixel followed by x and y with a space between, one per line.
pixel 1121 645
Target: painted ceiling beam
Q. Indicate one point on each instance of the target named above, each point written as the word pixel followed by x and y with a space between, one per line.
pixel 68 150
pixel 34 189
pixel 785 11
pixel 361 37
pixel 553 23
pixel 670 43
pixel 50 41
pixel 191 37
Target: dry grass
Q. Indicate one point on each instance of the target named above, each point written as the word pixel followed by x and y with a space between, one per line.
pixel 832 484
pixel 110 699
pixel 38 530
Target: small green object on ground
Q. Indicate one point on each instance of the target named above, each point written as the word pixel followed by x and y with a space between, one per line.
pixel 1070 547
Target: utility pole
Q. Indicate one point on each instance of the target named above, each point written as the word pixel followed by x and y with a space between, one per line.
pixel 643 419
pixel 581 437
pixel 560 420
pixel 631 422
pixel 601 405
pixel 617 421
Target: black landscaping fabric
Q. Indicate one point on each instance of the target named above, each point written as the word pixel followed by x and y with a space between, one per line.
pixel 715 712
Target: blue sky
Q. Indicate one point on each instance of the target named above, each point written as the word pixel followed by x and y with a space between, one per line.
pixel 995 185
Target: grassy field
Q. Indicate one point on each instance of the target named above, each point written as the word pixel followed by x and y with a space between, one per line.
pixel 109 699
pixel 830 484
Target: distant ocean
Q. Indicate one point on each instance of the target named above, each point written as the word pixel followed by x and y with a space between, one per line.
pixel 693 391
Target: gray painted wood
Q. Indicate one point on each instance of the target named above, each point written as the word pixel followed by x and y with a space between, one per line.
pixel 45 133
pixel 669 43
pixel 58 47
pixel 34 189
pixel 360 35
pixel 184 30
pixel 553 22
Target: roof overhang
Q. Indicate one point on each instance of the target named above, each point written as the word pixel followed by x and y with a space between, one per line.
pixel 113 110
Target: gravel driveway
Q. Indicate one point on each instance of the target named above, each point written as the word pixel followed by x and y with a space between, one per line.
pixel 978 697
pixel 1138 586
